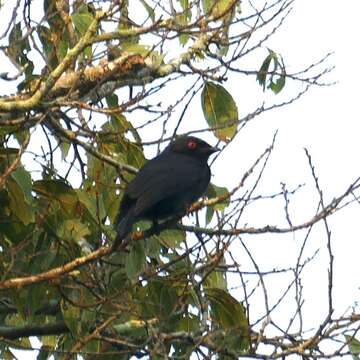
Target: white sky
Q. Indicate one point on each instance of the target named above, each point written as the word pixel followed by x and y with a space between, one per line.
pixel 326 121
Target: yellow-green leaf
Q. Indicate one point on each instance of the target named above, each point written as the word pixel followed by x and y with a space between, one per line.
pixel 230 316
pixel 82 21
pixel 73 230
pixel 217 7
pixel 216 279
pixel 354 346
pixel 226 310
pixel 220 110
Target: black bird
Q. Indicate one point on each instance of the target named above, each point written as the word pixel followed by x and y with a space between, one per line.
pixel 167 185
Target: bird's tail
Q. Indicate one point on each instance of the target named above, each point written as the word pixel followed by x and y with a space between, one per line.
pixel 124 227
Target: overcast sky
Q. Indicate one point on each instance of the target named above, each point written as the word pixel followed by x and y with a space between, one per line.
pixel 326 121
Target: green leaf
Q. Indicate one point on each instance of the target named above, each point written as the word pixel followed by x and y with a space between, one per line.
pixel 52 15
pixel 168 300
pixel 37 297
pixel 171 238
pixel 64 147
pixel 45 36
pixel 94 204
pixel 354 347
pixel 72 230
pixel 139 49
pixel 8 355
pixel 220 110
pixel 22 135
pixel 135 155
pixel 112 100
pixel 14 38
pixel 56 190
pixel 95 346
pixel 63 48
pixel 18 45
pixel 149 9
pixel 49 341
pixel 40 263
pixel 119 123
pixel 275 80
pixel 14 231
pixel 161 300
pixel 135 261
pixel 183 39
pixel 230 315
pixel 214 191
pixel 216 279
pixel 18 204
pixel 145 51
pixel 209 214
pixel 88 316
pixel 279 84
pixel 71 315
pixel 190 323
pixel 183 20
pixel 233 340
pixel 44 353
pixel 207 5
pixel 82 21
pixel 111 203
pixel 23 179
pixel 263 71
pixel 186 10
pixel 153 247
pixel 218 191
pixel 226 310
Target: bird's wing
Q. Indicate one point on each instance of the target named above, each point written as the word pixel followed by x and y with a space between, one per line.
pixel 163 178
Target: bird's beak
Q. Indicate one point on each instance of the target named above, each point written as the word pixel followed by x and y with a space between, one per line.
pixel 211 149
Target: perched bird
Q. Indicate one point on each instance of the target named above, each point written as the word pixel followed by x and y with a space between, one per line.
pixel 167 185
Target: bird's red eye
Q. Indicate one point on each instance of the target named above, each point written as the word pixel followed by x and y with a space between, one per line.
pixel 191 144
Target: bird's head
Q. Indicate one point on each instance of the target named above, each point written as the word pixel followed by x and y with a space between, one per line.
pixel 190 145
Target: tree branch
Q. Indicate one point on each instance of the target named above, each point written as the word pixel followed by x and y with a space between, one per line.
pixel 11 333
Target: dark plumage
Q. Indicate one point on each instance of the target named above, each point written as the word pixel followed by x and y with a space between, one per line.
pixel 167 185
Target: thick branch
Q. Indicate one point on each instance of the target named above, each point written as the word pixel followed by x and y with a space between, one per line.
pixel 45 87
pixel 53 273
pixel 52 308
pixel 9 332
pixel 96 82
